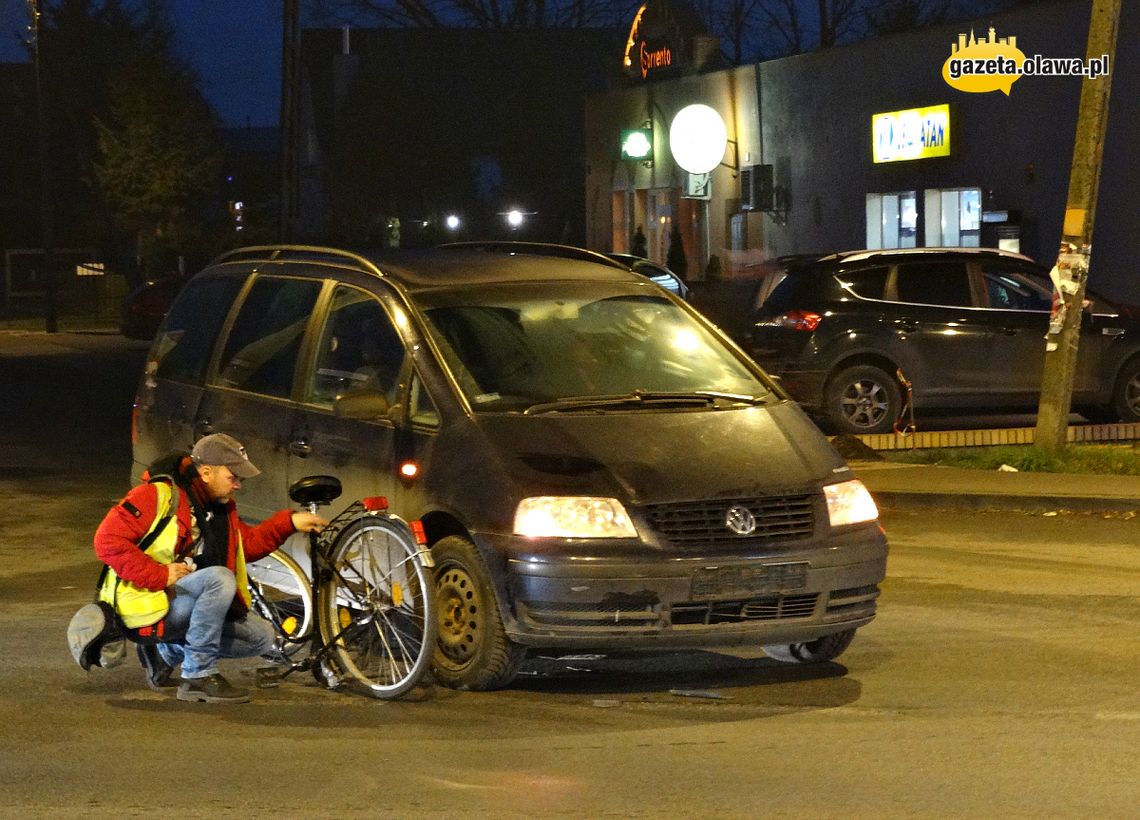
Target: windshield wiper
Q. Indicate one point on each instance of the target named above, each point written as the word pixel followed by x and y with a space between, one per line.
pixel 642 398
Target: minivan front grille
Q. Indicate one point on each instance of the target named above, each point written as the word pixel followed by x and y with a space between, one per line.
pixel 769 608
pixel 784 518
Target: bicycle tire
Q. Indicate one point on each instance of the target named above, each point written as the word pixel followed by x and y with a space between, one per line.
pixel 376 608
pixel 281 593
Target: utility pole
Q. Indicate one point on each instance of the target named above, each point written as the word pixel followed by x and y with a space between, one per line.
pixel 1076 246
pixel 290 72
pixel 51 324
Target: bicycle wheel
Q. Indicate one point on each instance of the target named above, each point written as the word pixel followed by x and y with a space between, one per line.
pixel 281 594
pixel 376 608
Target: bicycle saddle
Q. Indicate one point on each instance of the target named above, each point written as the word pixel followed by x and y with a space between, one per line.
pixel 320 489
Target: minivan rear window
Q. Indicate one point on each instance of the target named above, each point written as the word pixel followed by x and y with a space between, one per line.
pixel 261 351
pixel 182 345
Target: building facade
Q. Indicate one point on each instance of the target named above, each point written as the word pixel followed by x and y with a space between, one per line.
pixel 868 146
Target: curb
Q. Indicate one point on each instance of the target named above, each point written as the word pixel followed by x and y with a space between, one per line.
pixel 993 502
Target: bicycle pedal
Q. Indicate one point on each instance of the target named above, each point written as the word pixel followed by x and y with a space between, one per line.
pixel 266 677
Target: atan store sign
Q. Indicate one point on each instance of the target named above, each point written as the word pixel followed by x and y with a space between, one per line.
pixel 915 133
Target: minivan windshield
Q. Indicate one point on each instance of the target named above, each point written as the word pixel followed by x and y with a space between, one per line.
pixel 564 346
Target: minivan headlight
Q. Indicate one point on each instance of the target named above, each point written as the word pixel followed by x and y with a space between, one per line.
pixel 550 516
pixel 849 502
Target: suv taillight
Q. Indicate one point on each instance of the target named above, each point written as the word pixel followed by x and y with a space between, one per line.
pixel 795 320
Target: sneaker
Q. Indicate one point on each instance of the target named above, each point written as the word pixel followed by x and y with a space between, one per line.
pixel 159 674
pixel 212 689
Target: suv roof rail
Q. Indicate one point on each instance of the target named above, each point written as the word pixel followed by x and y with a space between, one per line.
pixel 869 253
pixel 281 253
pixel 537 249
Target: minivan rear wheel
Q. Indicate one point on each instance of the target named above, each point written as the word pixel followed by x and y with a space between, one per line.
pixel 821 650
pixel 862 399
pixel 472 648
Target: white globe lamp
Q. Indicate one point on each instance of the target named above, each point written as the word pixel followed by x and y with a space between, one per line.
pixel 698 138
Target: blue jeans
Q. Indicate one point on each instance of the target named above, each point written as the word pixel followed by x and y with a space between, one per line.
pixel 197 632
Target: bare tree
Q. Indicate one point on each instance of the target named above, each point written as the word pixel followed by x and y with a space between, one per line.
pixel 504 14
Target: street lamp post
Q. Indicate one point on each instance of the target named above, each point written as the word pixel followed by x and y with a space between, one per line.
pixel 50 319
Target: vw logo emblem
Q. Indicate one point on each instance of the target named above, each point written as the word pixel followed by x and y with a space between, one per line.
pixel 740 520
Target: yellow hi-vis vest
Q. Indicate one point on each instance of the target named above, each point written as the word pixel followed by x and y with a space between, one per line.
pixel 138 606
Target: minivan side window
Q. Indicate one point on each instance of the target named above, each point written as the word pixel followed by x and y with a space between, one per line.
pixel 183 344
pixel 423 412
pixel 359 354
pixel 261 351
pixel 934 283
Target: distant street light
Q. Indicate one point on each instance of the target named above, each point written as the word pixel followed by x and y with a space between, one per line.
pixel 452 222
pixel 515 218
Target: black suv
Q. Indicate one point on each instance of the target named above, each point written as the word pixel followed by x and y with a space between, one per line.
pixel 594 464
pixel 966 327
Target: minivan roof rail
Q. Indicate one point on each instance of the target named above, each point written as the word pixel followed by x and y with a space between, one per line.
pixel 280 253
pixel 537 249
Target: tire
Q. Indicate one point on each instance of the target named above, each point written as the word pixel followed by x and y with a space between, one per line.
pixel 862 399
pixel 1126 395
pixel 282 594
pixel 376 608
pixel 473 650
pixel 821 650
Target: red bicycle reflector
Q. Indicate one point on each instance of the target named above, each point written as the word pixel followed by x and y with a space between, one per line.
pixel 409 469
pixel 418 531
pixel 376 503
pixel 800 320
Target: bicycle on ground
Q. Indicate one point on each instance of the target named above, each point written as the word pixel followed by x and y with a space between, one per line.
pixel 367 615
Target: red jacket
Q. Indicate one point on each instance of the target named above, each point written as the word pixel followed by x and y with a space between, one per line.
pixel 117 539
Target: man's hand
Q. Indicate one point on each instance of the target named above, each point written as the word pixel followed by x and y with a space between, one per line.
pixel 308 522
pixel 176 571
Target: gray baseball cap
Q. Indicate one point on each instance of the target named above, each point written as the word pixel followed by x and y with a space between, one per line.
pixel 219 449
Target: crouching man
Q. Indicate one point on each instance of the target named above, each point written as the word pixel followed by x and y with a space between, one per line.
pixel 177 553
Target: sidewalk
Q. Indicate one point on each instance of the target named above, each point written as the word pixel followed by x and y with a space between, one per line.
pixel 922 486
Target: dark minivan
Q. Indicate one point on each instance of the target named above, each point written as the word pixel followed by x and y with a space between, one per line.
pixel 595 465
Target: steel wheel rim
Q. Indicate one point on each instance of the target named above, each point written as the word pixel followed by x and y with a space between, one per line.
pixel 460 622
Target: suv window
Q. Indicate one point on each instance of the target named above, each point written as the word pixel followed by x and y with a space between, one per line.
pixel 261 351
pixel 183 344
pixel 1010 289
pixel 934 283
pixel 869 283
pixel 359 354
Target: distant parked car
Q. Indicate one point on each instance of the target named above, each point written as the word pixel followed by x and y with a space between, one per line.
pixel 658 273
pixel 145 306
pixel 964 326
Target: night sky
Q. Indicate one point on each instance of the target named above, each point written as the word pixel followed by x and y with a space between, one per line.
pixel 234 45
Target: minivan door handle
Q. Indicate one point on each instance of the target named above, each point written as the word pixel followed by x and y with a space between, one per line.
pixel 300 447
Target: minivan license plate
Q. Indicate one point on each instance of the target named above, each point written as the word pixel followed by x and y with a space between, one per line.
pixel 718 582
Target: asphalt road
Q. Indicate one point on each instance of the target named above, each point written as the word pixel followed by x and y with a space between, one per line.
pixel 1000 680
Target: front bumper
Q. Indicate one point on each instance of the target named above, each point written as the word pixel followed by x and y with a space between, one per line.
pixel 653 601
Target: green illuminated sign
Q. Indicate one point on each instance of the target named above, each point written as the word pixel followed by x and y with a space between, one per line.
pixel 637 143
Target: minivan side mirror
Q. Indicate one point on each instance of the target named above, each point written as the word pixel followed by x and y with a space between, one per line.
pixel 361 406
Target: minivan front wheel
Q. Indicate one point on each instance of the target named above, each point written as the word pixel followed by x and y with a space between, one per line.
pixel 821 650
pixel 472 650
pixel 862 399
